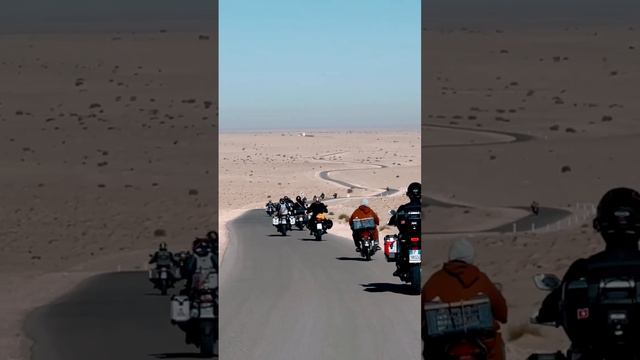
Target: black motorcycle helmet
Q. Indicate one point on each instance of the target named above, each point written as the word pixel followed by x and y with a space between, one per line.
pixel 618 216
pixel 414 191
pixel 212 236
pixel 201 247
pixel 298 198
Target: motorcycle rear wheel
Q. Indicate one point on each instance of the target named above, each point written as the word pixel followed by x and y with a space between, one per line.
pixel 207 339
pixel 414 279
pixel 163 286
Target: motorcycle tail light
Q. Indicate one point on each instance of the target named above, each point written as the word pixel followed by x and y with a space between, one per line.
pixel 415 239
pixel 465 351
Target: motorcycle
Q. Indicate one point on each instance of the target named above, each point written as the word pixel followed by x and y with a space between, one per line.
pixel 182 258
pixel 364 228
pixel 300 221
pixel 198 314
pixel 409 255
pixel 271 209
pixel 163 277
pixel 456 331
pixel 320 226
pixel 601 316
pixel 282 223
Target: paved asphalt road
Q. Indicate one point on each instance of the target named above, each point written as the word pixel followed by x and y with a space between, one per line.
pixel 111 316
pixel 515 137
pixel 295 298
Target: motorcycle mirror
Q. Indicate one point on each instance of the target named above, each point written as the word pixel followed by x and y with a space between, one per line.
pixel 546 282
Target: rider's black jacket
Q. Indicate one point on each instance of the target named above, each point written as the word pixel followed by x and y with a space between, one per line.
pixel 412 206
pixel 613 261
pixel 298 208
pixel 317 208
pixel 163 256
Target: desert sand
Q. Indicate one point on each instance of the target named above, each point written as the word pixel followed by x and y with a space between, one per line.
pixel 108 145
pixel 572 90
pixel 259 166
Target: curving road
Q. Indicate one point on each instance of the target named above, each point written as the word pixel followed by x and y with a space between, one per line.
pixel 295 298
pixel 325 176
pixel 515 137
pixel 547 216
pixel 110 316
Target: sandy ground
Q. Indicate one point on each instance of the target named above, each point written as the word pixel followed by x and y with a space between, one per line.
pixel 256 167
pixel 573 90
pixel 108 147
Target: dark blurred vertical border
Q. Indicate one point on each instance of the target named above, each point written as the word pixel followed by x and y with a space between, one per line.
pixel 538 95
pixel 424 166
pixel 109 147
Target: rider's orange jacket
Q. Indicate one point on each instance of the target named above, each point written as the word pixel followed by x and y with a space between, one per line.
pixel 363 212
pixel 458 281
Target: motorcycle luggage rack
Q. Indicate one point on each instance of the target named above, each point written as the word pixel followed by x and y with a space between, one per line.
pixel 471 316
pixel 364 224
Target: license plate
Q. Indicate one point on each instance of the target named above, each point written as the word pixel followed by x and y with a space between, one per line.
pixel 163 275
pixel 276 221
pixel 415 256
pixel 366 243
pixel 207 313
pixel 206 310
pixel 319 226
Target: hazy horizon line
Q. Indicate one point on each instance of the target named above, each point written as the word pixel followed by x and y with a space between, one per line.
pixel 417 128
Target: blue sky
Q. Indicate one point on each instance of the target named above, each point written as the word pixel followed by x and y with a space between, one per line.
pixel 319 64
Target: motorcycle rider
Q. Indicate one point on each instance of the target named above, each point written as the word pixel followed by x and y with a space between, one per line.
pixel 618 222
pixel 414 194
pixel 163 257
pixel 535 208
pixel 362 212
pixel 202 253
pixel 460 280
pixel 317 207
pixel 289 202
pixel 283 207
pixel 299 207
pixel 204 259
